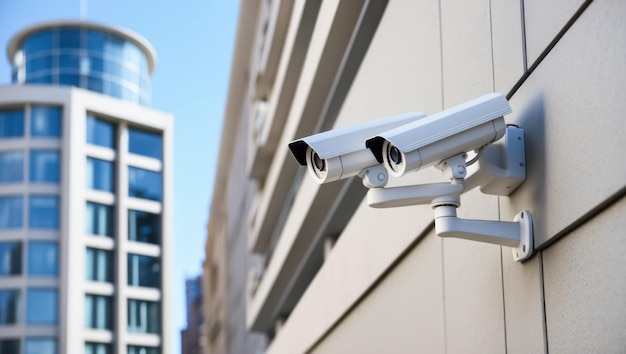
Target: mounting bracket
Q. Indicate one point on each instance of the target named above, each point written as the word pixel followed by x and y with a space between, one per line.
pixel 516 234
pixel 500 169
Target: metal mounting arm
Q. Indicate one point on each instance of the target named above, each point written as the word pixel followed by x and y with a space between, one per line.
pixel 516 234
pixel 500 170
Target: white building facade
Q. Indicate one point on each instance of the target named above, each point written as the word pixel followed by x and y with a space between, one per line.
pixel 337 276
pixel 85 195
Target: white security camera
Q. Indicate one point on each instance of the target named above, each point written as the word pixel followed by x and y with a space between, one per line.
pixel 424 142
pixel 412 141
pixel 340 153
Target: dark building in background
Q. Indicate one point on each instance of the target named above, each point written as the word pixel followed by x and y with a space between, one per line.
pixel 190 337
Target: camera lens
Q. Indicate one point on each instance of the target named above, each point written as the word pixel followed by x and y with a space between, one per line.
pixel 394 155
pixel 319 163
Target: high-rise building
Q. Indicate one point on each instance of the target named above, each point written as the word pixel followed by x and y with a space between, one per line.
pixel 85 194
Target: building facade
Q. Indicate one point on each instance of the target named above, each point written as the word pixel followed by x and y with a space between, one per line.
pixel 85 194
pixel 228 260
pixel 337 276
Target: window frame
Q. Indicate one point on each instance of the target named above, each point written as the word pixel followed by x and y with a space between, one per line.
pixel 94 318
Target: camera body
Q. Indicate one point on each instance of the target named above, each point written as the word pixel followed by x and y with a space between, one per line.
pixel 341 153
pixel 465 127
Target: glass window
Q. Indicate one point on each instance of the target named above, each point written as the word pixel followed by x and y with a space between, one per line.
pixel 10 258
pixel 131 53
pixel 98 310
pixel 99 219
pixel 99 174
pixel 69 38
pixel 40 63
pixel 112 67
pixel 69 61
pixel 40 346
pixel 95 40
pixel 9 303
pixel 45 121
pixel 113 45
pixel 143 316
pixel 44 165
pixel 100 132
pixel 97 348
pixel 9 346
pixel 39 79
pixel 39 41
pixel 143 271
pixel 12 124
pixel 41 306
pixel 134 349
pixel 43 212
pixel 11 166
pixel 94 84
pixel 144 184
pixel 43 258
pixel 144 227
pixel 69 80
pixel 11 212
pixel 145 143
pixel 115 89
pixel 132 76
pixel 99 265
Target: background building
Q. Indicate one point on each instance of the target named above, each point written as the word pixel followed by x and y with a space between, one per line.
pixel 190 337
pixel 337 276
pixel 217 324
pixel 85 194
pixel 228 260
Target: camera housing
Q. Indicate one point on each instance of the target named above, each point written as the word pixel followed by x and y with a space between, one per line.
pixel 340 153
pixel 428 141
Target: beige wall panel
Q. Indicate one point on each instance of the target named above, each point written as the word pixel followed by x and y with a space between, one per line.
pixel 401 71
pixel 508 44
pixel 373 239
pixel 523 304
pixel 572 111
pixel 474 312
pixel 403 314
pixel 544 19
pixel 466 49
pixel 585 288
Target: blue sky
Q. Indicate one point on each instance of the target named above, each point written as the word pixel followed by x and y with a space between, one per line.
pixel 194 41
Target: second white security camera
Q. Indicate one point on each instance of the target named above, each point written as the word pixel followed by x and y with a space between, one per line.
pixel 341 153
pixel 424 142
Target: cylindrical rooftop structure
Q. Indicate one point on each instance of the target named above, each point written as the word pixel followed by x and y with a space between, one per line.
pixel 110 60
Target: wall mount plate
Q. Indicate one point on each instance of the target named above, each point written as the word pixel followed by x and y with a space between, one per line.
pixel 525 248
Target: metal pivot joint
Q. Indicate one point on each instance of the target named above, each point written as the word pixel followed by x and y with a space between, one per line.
pixel 499 170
